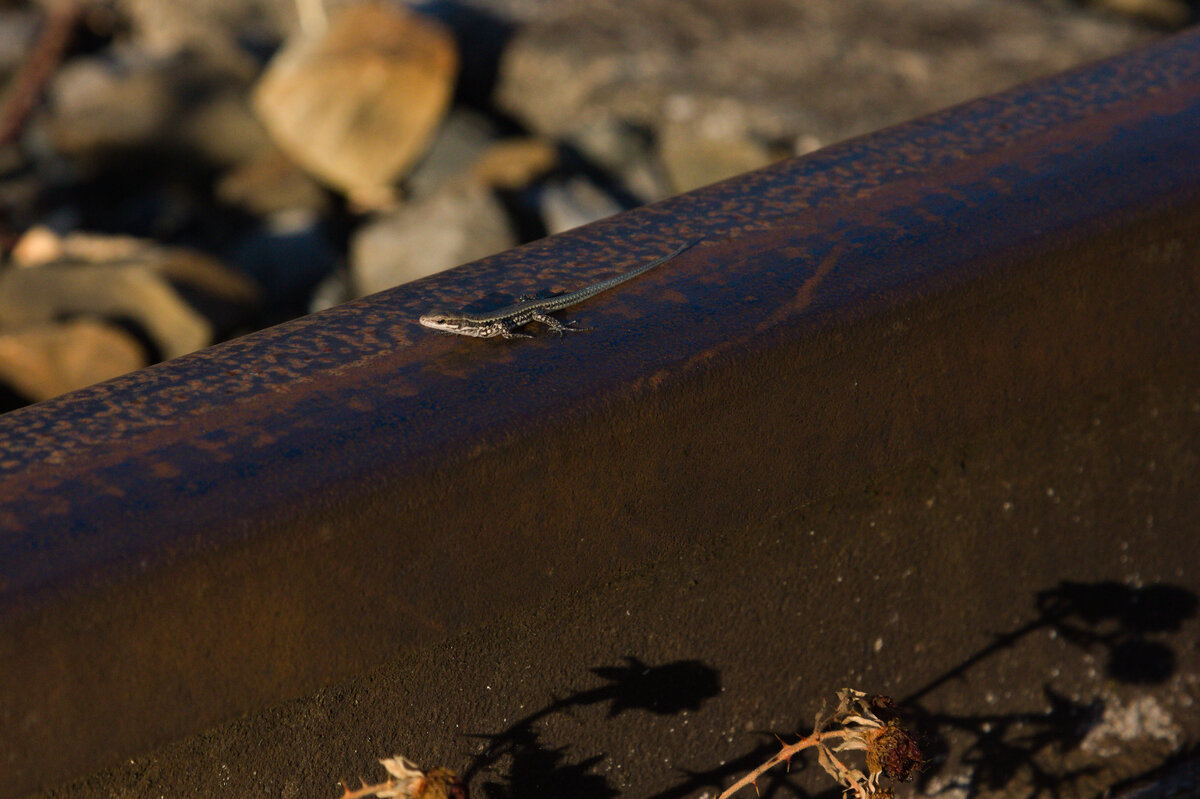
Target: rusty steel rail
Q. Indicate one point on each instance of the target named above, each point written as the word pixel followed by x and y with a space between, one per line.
pixel 240 526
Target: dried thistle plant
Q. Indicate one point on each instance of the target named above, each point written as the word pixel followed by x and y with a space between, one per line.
pixel 406 780
pixel 861 722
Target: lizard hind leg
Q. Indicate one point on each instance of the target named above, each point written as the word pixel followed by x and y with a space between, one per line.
pixel 555 325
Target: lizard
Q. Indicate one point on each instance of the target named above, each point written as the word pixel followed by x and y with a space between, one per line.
pixel 504 321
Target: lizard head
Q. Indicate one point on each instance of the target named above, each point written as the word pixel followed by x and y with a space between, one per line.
pixel 451 323
pixel 442 321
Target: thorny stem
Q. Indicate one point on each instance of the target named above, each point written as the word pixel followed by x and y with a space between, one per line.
pixel 782 756
pixel 788 751
pixel 890 749
pixel 26 88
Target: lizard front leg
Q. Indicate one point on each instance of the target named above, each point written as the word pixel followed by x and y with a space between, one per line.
pixel 509 330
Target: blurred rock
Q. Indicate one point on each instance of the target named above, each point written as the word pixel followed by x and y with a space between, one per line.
pixel 112 108
pixel 470 144
pixel 693 158
pixel 288 256
pixel 44 361
pixel 513 164
pixel 1163 13
pixel 482 29
pixel 18 29
pixel 626 152
pixel 784 69
pixel 101 104
pixel 40 245
pixel 462 138
pixel 358 105
pixel 124 278
pixel 334 289
pixel 223 130
pixel 168 28
pixel 463 221
pixel 573 202
pixel 271 183
pixel 44 294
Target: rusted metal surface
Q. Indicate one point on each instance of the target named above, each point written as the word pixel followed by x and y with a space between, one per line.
pixel 242 525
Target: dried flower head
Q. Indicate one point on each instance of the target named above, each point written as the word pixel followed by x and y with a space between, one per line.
pixel 406 780
pixel 441 783
pixel 859 722
pixel 893 751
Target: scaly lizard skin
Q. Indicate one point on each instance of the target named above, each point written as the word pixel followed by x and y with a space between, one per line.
pixel 504 321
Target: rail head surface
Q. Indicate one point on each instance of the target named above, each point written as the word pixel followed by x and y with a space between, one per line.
pixel 353 477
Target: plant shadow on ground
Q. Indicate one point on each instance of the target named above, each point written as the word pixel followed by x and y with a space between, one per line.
pixel 1178 777
pixel 537 772
pixel 1127 625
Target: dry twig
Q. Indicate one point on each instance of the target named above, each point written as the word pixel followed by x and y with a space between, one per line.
pixel 26 87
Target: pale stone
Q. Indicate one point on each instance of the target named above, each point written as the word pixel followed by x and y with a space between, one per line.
pixel 357 105
pixel 270 183
pixel 40 246
pixel 693 159
pixel 44 361
pixel 99 105
pixel 783 69
pixel 464 135
pixel 515 163
pixel 30 297
pixel 461 222
pixel 576 201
